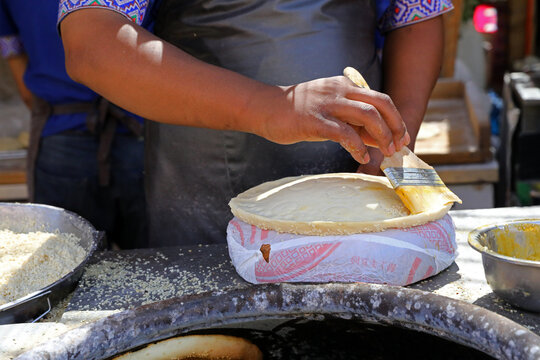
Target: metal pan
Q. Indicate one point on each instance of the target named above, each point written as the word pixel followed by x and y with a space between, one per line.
pixel 34 217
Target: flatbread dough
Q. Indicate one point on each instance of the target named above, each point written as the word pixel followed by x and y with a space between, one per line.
pixel 328 204
pixel 222 347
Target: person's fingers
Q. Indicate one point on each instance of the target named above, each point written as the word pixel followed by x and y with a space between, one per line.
pixel 368 139
pixel 338 131
pixel 388 111
pixel 368 117
pixel 364 135
pixel 373 166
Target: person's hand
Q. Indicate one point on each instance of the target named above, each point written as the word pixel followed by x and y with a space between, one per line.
pixel 334 109
pixel 373 167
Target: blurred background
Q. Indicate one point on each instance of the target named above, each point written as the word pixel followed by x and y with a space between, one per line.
pixel 481 128
pixel 14 125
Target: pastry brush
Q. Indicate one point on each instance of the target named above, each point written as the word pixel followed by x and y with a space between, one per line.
pixel 416 183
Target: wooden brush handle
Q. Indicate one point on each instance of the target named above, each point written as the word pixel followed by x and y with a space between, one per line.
pixel 357 78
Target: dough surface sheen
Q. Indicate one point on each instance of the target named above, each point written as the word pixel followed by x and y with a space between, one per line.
pixel 328 204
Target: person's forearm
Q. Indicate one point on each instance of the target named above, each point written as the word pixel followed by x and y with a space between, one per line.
pixel 159 81
pixel 17 64
pixel 144 74
pixel 412 60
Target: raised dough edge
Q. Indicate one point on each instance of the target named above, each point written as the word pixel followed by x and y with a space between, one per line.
pixel 323 228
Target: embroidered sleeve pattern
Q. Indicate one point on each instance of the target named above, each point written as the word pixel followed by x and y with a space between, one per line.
pixel 10 46
pixel 406 12
pixel 132 9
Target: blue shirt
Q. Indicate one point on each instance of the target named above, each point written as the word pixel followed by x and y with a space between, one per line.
pixel 34 23
pixel 395 13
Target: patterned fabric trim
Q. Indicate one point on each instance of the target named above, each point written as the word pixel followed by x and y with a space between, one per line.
pixel 406 12
pixel 132 9
pixel 10 46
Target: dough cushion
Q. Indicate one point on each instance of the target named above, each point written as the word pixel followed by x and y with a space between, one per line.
pixel 193 347
pixel 328 204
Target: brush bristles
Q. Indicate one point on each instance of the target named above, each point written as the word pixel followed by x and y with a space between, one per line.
pixel 416 183
pixel 420 199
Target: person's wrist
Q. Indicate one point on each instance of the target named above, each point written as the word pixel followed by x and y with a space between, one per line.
pixel 412 116
pixel 263 111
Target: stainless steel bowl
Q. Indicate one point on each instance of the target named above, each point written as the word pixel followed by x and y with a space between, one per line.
pixel 36 217
pixel 510 255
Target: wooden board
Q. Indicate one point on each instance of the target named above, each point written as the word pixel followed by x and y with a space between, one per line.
pixel 451 132
pixel 13 192
pixel 475 173
pixel 12 177
pixel 13 167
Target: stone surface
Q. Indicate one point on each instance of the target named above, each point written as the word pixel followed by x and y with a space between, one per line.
pixel 124 280
pixel 265 306
pixel 16 338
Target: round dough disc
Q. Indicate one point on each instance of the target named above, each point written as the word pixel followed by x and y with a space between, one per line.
pixel 328 204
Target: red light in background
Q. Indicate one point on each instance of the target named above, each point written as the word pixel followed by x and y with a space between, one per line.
pixel 485 19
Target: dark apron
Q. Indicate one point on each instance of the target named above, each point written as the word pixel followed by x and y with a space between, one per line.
pixel 192 173
pixel 102 120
